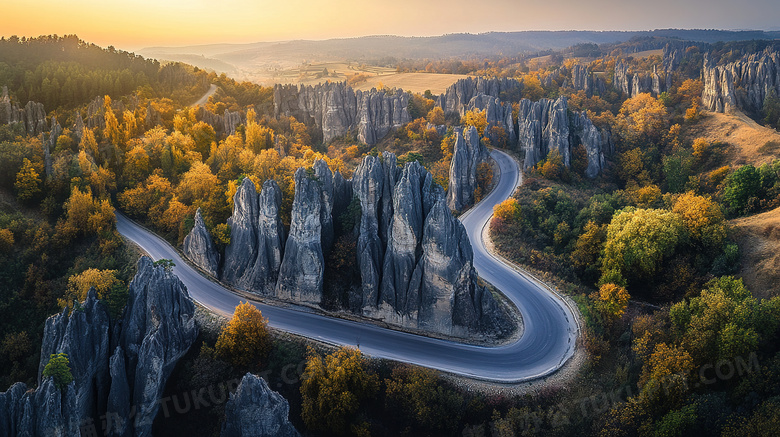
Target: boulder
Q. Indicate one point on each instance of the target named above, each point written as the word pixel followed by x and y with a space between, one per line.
pixel 254 410
pixel 199 248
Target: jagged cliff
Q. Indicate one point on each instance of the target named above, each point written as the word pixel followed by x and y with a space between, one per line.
pixel 335 109
pixel 157 329
pixel 636 83
pixel 255 410
pixel 254 255
pixel 458 95
pixel 743 84
pixel 32 115
pixel 468 154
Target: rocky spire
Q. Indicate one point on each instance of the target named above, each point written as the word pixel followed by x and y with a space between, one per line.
pixel 301 272
pixel 254 410
pixel 199 248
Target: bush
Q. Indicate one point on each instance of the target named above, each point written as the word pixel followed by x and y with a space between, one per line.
pixel 58 368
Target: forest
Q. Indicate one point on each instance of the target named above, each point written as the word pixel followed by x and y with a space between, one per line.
pixel 675 341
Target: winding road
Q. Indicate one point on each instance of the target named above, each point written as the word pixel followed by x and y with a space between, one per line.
pixel 550 329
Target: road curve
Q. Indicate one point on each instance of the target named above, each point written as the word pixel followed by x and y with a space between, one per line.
pixel 203 100
pixel 547 342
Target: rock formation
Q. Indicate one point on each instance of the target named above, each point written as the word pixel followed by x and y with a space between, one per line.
pixel 32 116
pixel 123 387
pixel 497 114
pixel 254 255
pixel 301 272
pixel 458 95
pixel 254 410
pixel 199 248
pixel 468 154
pixel 406 280
pixel 84 336
pixel 743 84
pixel 158 329
pixel 336 109
pixel 324 176
pixel 45 411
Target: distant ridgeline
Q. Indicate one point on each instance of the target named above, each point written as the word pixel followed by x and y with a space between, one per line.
pixel 66 72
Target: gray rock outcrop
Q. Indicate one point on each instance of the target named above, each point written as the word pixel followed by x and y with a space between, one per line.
pixel 336 109
pixel 255 410
pixel 543 126
pixel 327 198
pixel 367 184
pixel 743 84
pixel 46 411
pixel 406 281
pixel 118 407
pixel 32 116
pixel 301 272
pixel 468 154
pixel 458 95
pixel 159 327
pixel 82 334
pixel 254 255
pixel 199 248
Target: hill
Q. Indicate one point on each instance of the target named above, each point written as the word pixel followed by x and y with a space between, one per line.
pixel 750 143
pixel 758 237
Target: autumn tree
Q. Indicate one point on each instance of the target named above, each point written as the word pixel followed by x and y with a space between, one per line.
pixel 476 118
pixel 638 240
pixel 703 219
pixel 611 301
pixel 416 395
pixel 245 341
pixel 641 119
pixel 28 182
pixel 333 389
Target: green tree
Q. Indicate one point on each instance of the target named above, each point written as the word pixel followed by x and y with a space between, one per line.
pixel 417 396
pixel 333 389
pixel 741 188
pixel 638 241
pixel 58 368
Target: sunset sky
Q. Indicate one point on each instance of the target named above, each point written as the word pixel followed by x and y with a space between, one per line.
pixel 134 24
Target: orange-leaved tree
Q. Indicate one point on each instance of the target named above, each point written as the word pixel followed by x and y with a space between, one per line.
pixel 245 341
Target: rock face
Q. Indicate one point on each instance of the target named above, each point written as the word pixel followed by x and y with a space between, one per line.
pixel 545 125
pixel 199 248
pixel 408 280
pixel 157 330
pixel 458 95
pixel 84 337
pixel 32 116
pixel 254 255
pixel 743 84
pixel 468 154
pixel 301 272
pixel 224 124
pixel 254 410
pixel 159 327
pixel 46 411
pixel 335 109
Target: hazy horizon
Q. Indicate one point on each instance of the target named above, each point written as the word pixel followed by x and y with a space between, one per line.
pixel 133 25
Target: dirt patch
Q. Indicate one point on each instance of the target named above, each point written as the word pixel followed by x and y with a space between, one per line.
pixel 749 142
pixel 758 238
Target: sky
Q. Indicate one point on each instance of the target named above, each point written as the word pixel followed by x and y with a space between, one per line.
pixel 135 24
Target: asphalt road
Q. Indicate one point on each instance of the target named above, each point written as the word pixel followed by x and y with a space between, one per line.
pixel 203 100
pixel 547 342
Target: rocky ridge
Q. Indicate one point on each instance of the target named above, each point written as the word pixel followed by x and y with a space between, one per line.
pixel 336 109
pixel 157 329
pixel 743 84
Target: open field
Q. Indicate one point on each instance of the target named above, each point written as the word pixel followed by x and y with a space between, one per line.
pixel 414 82
pixel 759 241
pixel 647 53
pixel 750 142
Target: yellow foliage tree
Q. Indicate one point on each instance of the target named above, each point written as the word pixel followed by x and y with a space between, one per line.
pixel 245 341
pixel 611 300
pixel 642 118
pixel 703 218
pixel 79 285
pixel 476 118
pixel 28 182
pixel 332 390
